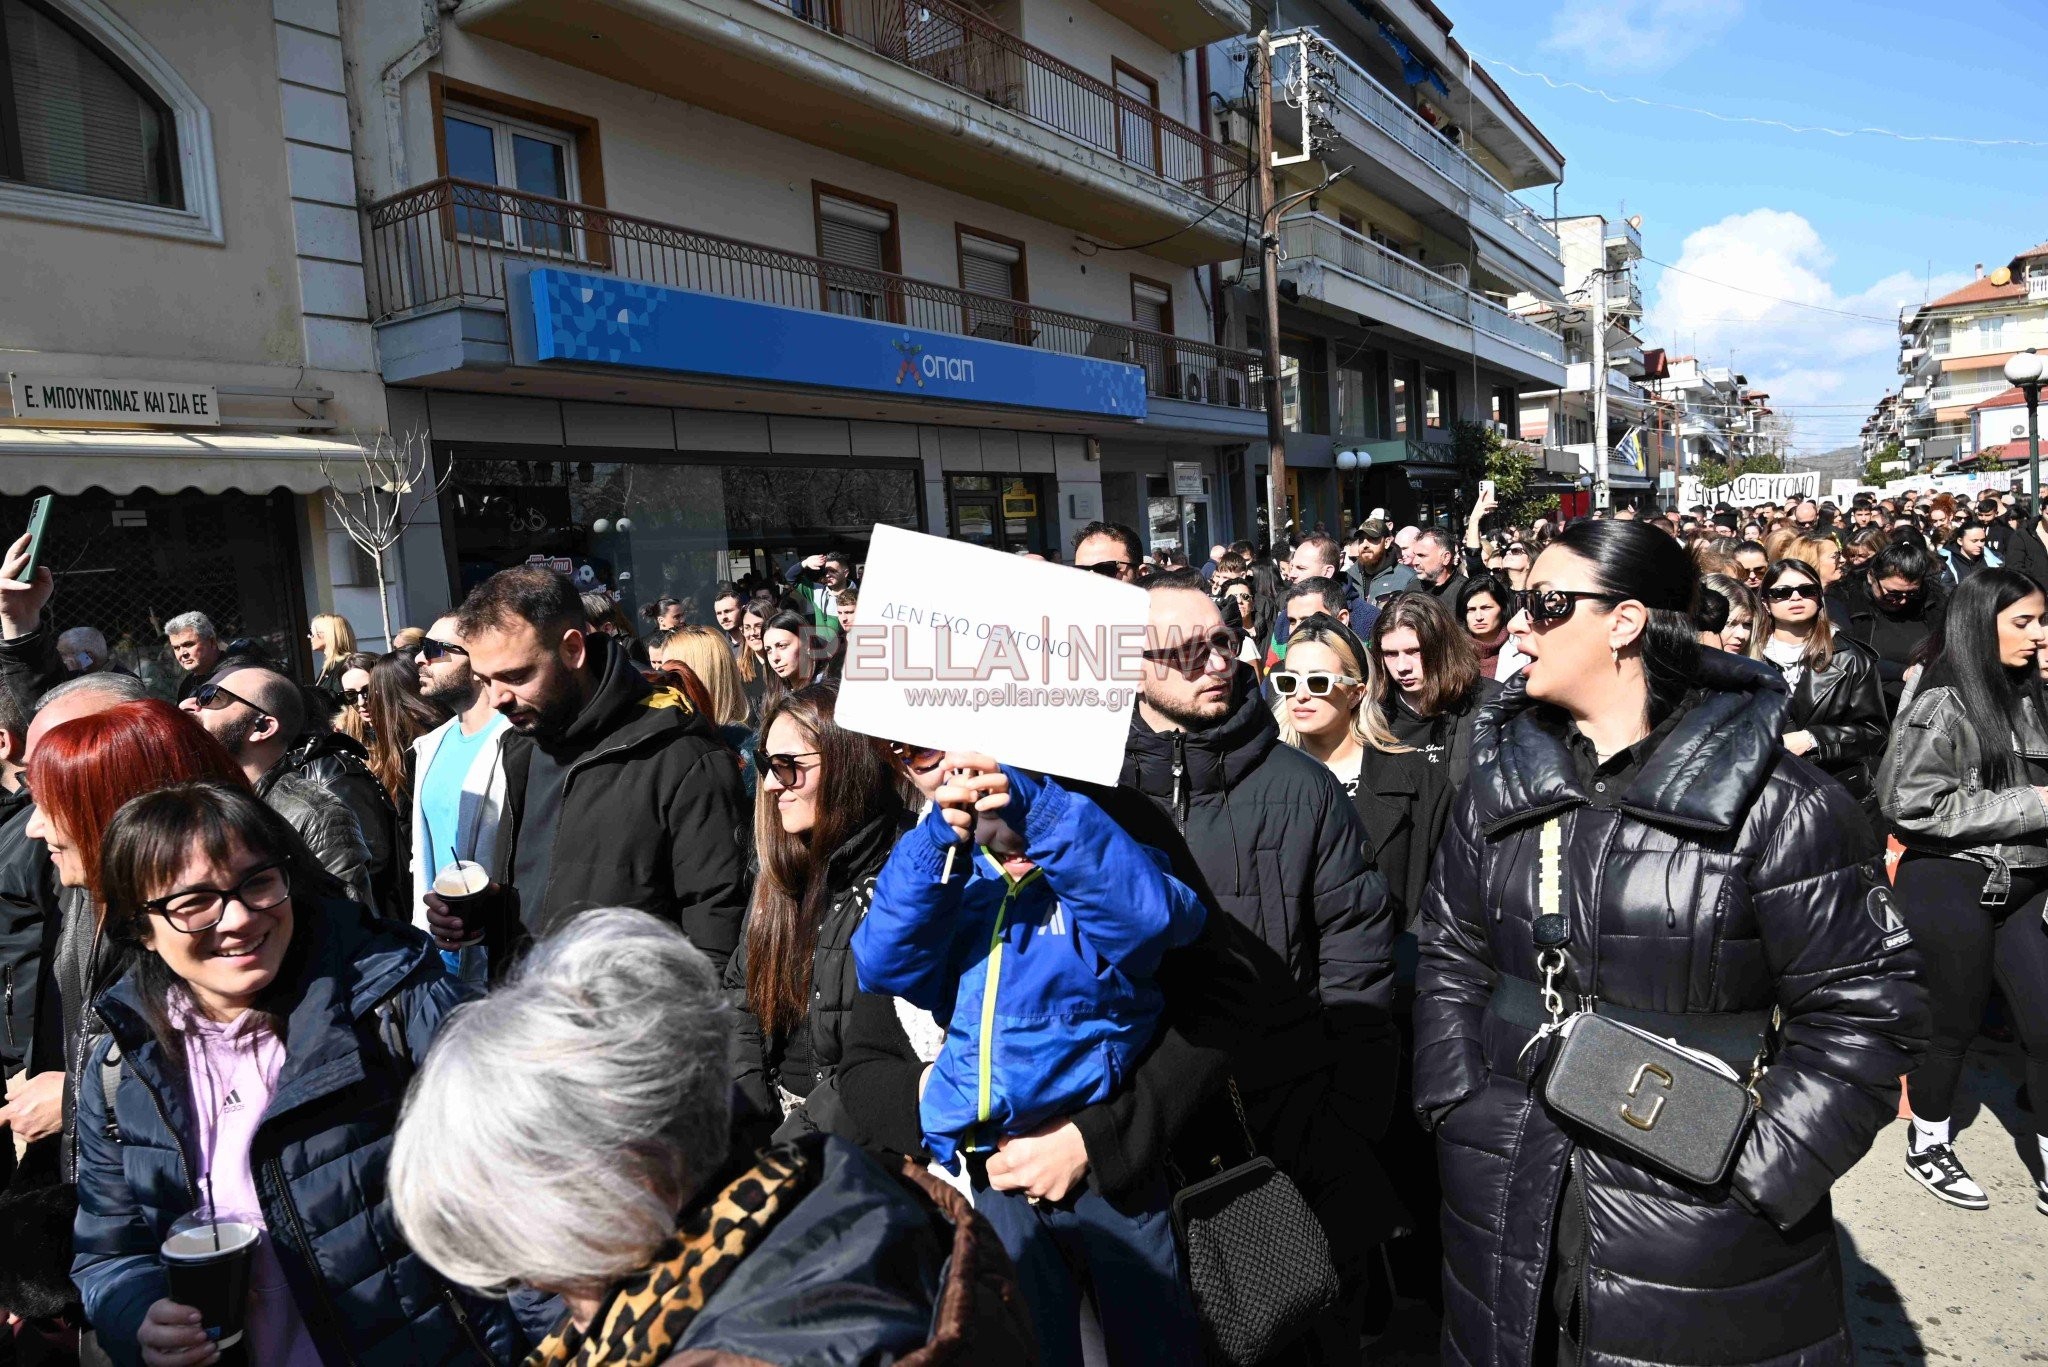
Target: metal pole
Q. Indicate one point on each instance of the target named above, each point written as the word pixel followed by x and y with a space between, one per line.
pixel 1602 495
pixel 2033 392
pixel 1269 290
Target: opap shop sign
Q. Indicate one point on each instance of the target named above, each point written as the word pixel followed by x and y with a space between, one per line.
pixel 963 648
pixel 45 398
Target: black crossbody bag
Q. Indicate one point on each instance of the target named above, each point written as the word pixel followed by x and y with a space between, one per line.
pixel 1681 1110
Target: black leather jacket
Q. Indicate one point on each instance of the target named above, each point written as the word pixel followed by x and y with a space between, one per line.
pixel 1726 876
pixel 1842 707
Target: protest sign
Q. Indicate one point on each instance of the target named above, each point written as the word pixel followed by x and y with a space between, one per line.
pixel 964 648
pixel 1748 490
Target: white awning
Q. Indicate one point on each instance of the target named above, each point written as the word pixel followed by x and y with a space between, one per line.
pixel 124 462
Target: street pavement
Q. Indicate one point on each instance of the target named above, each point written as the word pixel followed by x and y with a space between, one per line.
pixel 1925 1283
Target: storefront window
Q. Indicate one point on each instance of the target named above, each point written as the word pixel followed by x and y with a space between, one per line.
pixel 1357 407
pixel 1004 512
pixel 128 563
pixel 653 528
pixel 1438 403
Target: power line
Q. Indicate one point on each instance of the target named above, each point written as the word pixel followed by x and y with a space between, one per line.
pixel 1777 298
pixel 1555 84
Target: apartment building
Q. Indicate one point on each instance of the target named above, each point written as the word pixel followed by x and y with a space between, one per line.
pixel 1713 412
pixel 686 290
pixel 1953 351
pixel 183 311
pixel 1882 427
pixel 1600 289
pixel 1393 327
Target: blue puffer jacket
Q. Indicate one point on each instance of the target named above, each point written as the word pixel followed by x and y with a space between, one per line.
pixel 318 1158
pixel 1045 983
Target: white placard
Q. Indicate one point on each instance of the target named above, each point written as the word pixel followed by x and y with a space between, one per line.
pixel 964 648
pixel 1187 479
pixel 1748 490
pixel 49 398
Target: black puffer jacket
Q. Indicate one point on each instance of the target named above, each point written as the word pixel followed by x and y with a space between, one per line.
pixel 1281 851
pixel 1727 876
pixel 805 1061
pixel 1842 707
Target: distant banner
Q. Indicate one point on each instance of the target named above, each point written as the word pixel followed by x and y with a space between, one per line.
pixel 1748 490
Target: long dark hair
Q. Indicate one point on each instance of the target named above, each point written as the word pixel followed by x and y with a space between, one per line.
pixel 799 626
pixel 856 786
pixel 1635 560
pixel 1962 654
pixel 1266 600
pixel 148 844
pixel 1820 643
pixel 1450 661
pixel 398 717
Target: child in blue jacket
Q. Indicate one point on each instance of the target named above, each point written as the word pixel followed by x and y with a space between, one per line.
pixel 1039 955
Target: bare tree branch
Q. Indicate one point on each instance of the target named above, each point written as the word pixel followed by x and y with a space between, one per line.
pixel 381 502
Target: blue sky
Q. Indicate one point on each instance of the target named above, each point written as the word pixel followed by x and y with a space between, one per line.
pixel 1858 224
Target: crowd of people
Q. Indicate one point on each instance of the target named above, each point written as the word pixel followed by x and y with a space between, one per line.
pixel 552 988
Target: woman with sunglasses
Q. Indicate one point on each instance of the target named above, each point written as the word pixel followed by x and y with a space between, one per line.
pixel 1964 785
pixel 1701 880
pixel 258 1050
pixel 353 720
pixel 1893 606
pixel 1837 715
pixel 828 810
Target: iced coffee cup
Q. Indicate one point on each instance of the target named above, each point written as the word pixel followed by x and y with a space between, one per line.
pixel 208 1262
pixel 469 894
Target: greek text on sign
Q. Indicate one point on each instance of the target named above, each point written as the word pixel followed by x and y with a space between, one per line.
pixel 157 402
pixel 963 648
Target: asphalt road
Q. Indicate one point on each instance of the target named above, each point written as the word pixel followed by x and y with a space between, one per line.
pixel 1925 1283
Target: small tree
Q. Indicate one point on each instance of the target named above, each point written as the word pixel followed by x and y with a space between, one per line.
pixel 1485 454
pixel 1888 461
pixel 376 501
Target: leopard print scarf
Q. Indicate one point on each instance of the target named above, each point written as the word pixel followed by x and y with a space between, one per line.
pixel 648 1313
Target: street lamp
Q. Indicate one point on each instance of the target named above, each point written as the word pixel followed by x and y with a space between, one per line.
pixel 2024 370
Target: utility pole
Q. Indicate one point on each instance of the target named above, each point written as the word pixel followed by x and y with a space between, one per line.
pixel 1602 495
pixel 1269 292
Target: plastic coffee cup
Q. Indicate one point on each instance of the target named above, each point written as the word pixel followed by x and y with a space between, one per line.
pixel 208 1263
pixel 467 890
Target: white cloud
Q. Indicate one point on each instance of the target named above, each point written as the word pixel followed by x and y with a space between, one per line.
pixel 1804 358
pixel 1643 36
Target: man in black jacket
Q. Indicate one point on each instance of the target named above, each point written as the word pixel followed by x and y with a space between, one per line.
pixel 616 793
pixel 1278 848
pixel 2026 549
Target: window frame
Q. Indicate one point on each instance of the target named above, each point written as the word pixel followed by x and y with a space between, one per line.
pixel 586 165
pixel 1119 67
pixel 192 161
pixel 892 244
pixel 1021 328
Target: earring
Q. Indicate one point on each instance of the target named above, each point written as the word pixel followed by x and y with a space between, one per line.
pixel 1615 651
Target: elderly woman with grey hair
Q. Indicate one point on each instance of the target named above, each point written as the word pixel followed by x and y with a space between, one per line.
pixel 571 1134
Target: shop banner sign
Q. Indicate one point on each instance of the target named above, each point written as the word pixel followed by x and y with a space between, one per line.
pixel 959 647
pixel 70 399
pixel 577 317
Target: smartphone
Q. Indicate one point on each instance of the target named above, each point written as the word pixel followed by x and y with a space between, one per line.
pixel 38 520
pixel 1485 490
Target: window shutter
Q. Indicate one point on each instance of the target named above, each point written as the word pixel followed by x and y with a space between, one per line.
pixel 83 123
pixel 1148 307
pixel 988 267
pixel 853 234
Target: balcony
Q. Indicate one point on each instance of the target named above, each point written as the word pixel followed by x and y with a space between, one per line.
pixel 1350 274
pixel 443 246
pixel 1579 380
pixel 1417 167
pixel 924 87
pixel 1623 241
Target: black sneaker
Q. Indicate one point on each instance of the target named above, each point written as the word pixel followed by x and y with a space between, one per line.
pixel 1937 1168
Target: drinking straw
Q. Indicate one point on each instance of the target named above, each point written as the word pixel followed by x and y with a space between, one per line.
pixel 212 1210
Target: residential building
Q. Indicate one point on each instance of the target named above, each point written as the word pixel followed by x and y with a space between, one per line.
pixel 1713 413
pixel 183 311
pixel 1393 280
pixel 1600 282
pixel 685 292
pixel 1882 428
pixel 1998 431
pixel 1953 351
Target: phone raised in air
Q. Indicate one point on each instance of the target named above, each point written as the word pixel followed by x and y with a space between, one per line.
pixel 38 520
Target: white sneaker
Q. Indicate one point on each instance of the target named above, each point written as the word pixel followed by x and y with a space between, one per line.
pixel 1937 1168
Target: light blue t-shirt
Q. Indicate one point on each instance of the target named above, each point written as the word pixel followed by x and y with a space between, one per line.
pixel 449 829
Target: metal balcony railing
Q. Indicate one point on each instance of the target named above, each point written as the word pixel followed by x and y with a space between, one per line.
pixel 1356 255
pixel 447 241
pixel 969 52
pixel 1356 90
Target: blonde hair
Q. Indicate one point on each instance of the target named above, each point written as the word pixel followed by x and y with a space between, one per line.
pixel 341 637
pixel 1368 726
pixel 709 656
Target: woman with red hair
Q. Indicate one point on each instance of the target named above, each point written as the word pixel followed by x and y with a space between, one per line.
pixel 85 769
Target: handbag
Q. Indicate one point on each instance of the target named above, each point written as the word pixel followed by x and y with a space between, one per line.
pixel 1681 1110
pixel 1259 1265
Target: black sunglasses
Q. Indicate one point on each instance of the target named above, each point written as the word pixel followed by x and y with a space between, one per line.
pixel 1192 657
pixel 1546 606
pixel 1785 593
pixel 354 696
pixel 1107 568
pixel 206 695
pixel 431 649
pixel 919 759
pixel 786 768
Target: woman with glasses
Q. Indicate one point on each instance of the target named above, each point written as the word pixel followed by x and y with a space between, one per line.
pixel 756 678
pixel 1892 607
pixel 1964 785
pixel 1837 717
pixel 829 808
pixel 1484 606
pixel 258 1050
pixel 353 720
pixel 1514 564
pixel 1630 789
